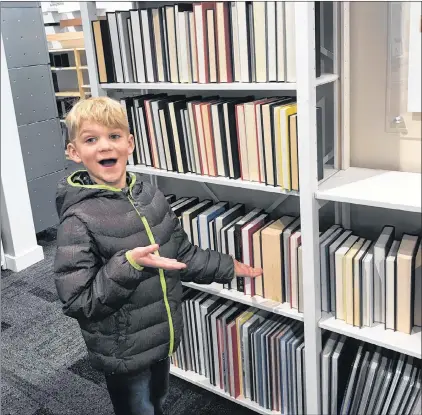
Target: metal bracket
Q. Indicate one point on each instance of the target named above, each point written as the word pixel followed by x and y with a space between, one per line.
pixel 210 192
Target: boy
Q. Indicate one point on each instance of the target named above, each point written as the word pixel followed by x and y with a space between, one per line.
pixel 121 254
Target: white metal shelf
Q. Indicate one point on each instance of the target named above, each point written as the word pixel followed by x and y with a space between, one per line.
pixel 223 181
pixel 256 301
pixel 229 86
pixel 409 344
pixel 379 188
pixel 203 382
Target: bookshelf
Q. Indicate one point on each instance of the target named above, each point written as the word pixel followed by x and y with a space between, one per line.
pixel 341 184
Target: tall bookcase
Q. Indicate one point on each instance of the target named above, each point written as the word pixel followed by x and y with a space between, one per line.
pixel 343 185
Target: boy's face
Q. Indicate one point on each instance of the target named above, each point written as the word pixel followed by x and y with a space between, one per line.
pixel 103 151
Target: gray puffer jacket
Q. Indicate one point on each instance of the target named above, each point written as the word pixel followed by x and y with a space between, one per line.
pixel 129 317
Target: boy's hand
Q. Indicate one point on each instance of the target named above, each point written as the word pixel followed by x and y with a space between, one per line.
pixel 145 257
pixel 243 270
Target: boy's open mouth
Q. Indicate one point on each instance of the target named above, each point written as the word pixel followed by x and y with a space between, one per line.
pixel 108 162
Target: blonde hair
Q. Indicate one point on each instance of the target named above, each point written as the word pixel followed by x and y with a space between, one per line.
pixel 101 110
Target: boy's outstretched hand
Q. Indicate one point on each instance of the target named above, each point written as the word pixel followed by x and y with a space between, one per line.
pixel 243 270
pixel 145 257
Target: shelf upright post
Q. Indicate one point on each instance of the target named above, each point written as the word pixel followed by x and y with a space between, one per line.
pixel 88 14
pixel 308 177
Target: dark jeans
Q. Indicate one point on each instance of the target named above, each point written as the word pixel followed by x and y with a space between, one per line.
pixel 142 393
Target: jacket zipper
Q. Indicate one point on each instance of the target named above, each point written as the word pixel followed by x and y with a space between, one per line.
pixel 160 272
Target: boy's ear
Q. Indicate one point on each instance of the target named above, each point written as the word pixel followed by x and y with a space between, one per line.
pixel 131 147
pixel 73 154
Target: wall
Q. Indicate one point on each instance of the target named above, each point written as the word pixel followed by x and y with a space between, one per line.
pixel 372 143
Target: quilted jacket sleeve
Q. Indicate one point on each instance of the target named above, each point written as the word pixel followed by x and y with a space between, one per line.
pixel 203 266
pixel 87 288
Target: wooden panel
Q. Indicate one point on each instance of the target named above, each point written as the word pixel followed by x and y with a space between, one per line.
pixel 71 22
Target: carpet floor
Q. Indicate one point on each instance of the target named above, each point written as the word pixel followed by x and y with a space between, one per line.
pixel 44 367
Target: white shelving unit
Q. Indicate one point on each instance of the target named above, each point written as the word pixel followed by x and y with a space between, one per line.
pixel 351 185
pixel 409 344
pixel 255 301
pixel 379 188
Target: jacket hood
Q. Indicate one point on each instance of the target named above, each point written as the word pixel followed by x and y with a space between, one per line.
pixel 71 190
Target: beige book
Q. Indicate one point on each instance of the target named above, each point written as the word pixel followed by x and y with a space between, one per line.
pixel 406 257
pixel 357 285
pixel 272 258
pixel 268 148
pixel 295 241
pixel 281 42
pixel 189 106
pixel 294 152
pixel 242 319
pixel 102 73
pixel 260 37
pixel 208 136
pixel 193 48
pixel 348 280
pixel 340 272
pixel 300 276
pixel 171 36
pixel 257 259
pixel 283 156
pixel 201 139
pixel 251 141
pixel 418 288
pixel 212 53
pixel 222 31
pixel 390 286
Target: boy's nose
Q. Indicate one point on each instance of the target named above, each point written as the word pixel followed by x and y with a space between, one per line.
pixel 104 144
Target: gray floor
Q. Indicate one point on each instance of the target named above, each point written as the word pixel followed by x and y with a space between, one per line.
pixel 44 370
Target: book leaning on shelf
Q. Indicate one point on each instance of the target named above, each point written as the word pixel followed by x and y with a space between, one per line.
pixel 360 378
pixel 238 138
pixel 243 351
pixel 366 283
pixel 252 238
pixel 201 42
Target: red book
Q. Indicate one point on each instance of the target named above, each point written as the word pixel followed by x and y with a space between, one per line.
pixel 225 73
pixel 151 135
pixel 235 357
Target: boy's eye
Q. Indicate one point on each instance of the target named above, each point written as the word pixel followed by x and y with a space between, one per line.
pixel 90 139
pixel 115 136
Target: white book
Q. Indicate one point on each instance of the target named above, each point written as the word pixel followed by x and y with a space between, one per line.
pixel 261 157
pixel 381 249
pixel 368 288
pixel 124 45
pixel 211 235
pixel 260 38
pixel 242 139
pixel 402 406
pixel 193 212
pixel 203 220
pixel 295 242
pixel 281 41
pixel 194 137
pixel 138 45
pixel 335 374
pixel 158 134
pixel 332 249
pixel 148 45
pixel 325 269
pixel 244 53
pixel 182 45
pixel 379 383
pixel 115 44
pixel 132 50
pixel 190 141
pixel 144 136
pixel 165 140
pixel 286 252
pixel 201 329
pixel 326 372
pixel 186 140
pixel 370 380
pixel 200 41
pixel 135 134
pixel 339 269
pixel 390 284
pixel 195 232
pixel 224 247
pixel 194 330
pixel 217 139
pixel 235 46
pixel 290 32
pixel 201 138
pixel 272 29
pixel 230 240
pixel 235 212
pixel 228 148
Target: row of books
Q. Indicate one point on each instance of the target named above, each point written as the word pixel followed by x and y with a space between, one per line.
pixel 244 351
pixel 255 140
pixel 253 238
pixel 359 378
pixel 201 42
pixel 365 283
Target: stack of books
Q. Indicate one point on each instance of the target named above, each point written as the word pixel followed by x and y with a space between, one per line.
pixel 200 42
pixel 254 238
pixel 359 378
pixel 243 351
pixel 366 283
pixel 251 139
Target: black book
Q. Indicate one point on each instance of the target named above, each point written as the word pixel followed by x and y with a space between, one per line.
pixel 191 202
pixel 57 59
pixel 170 198
pixel 55 82
pixel 51 56
pixel 65 60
